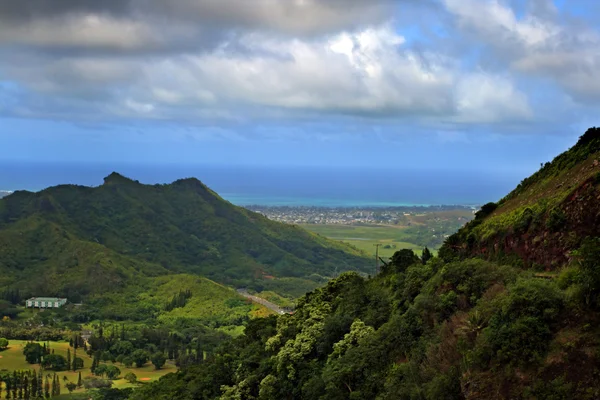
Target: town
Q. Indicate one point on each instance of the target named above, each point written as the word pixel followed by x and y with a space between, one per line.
pixel 353 215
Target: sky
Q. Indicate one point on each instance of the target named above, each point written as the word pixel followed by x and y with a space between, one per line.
pixel 486 85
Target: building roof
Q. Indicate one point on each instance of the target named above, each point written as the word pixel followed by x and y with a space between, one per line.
pixel 51 299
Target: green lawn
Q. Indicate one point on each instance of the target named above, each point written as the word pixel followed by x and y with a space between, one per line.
pixel 368 246
pixel 364 238
pixel 13 359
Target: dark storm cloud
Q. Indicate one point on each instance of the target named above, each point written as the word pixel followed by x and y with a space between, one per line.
pixel 155 25
pixel 27 10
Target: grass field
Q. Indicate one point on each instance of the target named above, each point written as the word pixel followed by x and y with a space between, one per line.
pixel 364 238
pixel 13 359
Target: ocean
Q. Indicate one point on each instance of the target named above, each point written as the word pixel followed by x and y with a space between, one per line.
pixel 277 186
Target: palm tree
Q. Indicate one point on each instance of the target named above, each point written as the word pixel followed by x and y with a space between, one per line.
pixel 473 325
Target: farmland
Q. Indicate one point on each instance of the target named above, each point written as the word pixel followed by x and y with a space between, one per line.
pixel 414 231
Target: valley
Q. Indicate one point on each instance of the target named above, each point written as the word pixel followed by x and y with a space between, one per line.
pixel 242 306
pixel 482 319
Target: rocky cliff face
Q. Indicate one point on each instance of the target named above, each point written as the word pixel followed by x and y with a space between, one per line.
pixel 545 219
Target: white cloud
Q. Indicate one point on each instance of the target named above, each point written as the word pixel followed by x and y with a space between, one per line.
pixel 485 98
pixel 498 24
pixel 366 73
pixel 536 44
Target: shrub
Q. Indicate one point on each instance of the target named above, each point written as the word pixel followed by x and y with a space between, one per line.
pixel 3 344
pixel 588 257
pixel 556 220
pixel 522 342
pixel 532 297
pixel 486 210
pixel 524 221
pixel 568 276
pixel 71 387
pixel 92 382
pixel 130 377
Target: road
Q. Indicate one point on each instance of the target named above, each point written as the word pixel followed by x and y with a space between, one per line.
pixel 266 303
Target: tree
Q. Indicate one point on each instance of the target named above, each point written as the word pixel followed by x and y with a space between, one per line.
pixel 123 347
pixel 158 359
pixel 95 362
pixel 100 370
pixel 426 256
pixel 140 357
pixel 79 383
pixel 69 357
pixel 71 387
pixel 33 353
pixel 3 344
pixel 131 377
pixel 55 362
pixel 402 259
pixel 127 361
pixel 77 363
pixel 112 372
pixel 588 257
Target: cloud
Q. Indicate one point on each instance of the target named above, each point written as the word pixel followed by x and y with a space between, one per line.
pixel 85 31
pixel 156 25
pixel 485 98
pixel 444 64
pixel 498 24
pixel 365 74
pixel 537 44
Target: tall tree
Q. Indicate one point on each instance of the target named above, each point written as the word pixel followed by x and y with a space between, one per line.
pixel 40 382
pixel 79 383
pixel 426 256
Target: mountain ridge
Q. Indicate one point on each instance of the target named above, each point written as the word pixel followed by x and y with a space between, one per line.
pixel 542 221
pixel 181 227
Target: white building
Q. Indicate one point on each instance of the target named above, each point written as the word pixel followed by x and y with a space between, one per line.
pixel 45 302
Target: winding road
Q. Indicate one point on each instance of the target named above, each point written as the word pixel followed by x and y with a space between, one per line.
pixel 266 303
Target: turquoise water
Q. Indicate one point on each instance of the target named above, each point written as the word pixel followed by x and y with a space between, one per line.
pixel 250 200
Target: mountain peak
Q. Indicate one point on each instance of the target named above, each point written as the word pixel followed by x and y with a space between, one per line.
pixel 116 178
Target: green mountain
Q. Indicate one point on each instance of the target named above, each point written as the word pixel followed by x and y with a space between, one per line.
pixel 546 218
pixel 509 310
pixel 79 241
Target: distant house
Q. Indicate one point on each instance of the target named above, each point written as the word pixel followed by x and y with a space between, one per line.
pixel 45 302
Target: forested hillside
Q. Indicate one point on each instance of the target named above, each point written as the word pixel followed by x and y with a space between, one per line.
pixel 470 324
pixel 546 218
pixel 78 241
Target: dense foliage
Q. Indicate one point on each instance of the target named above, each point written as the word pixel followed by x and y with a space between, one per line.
pixel 456 326
pixel 416 331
